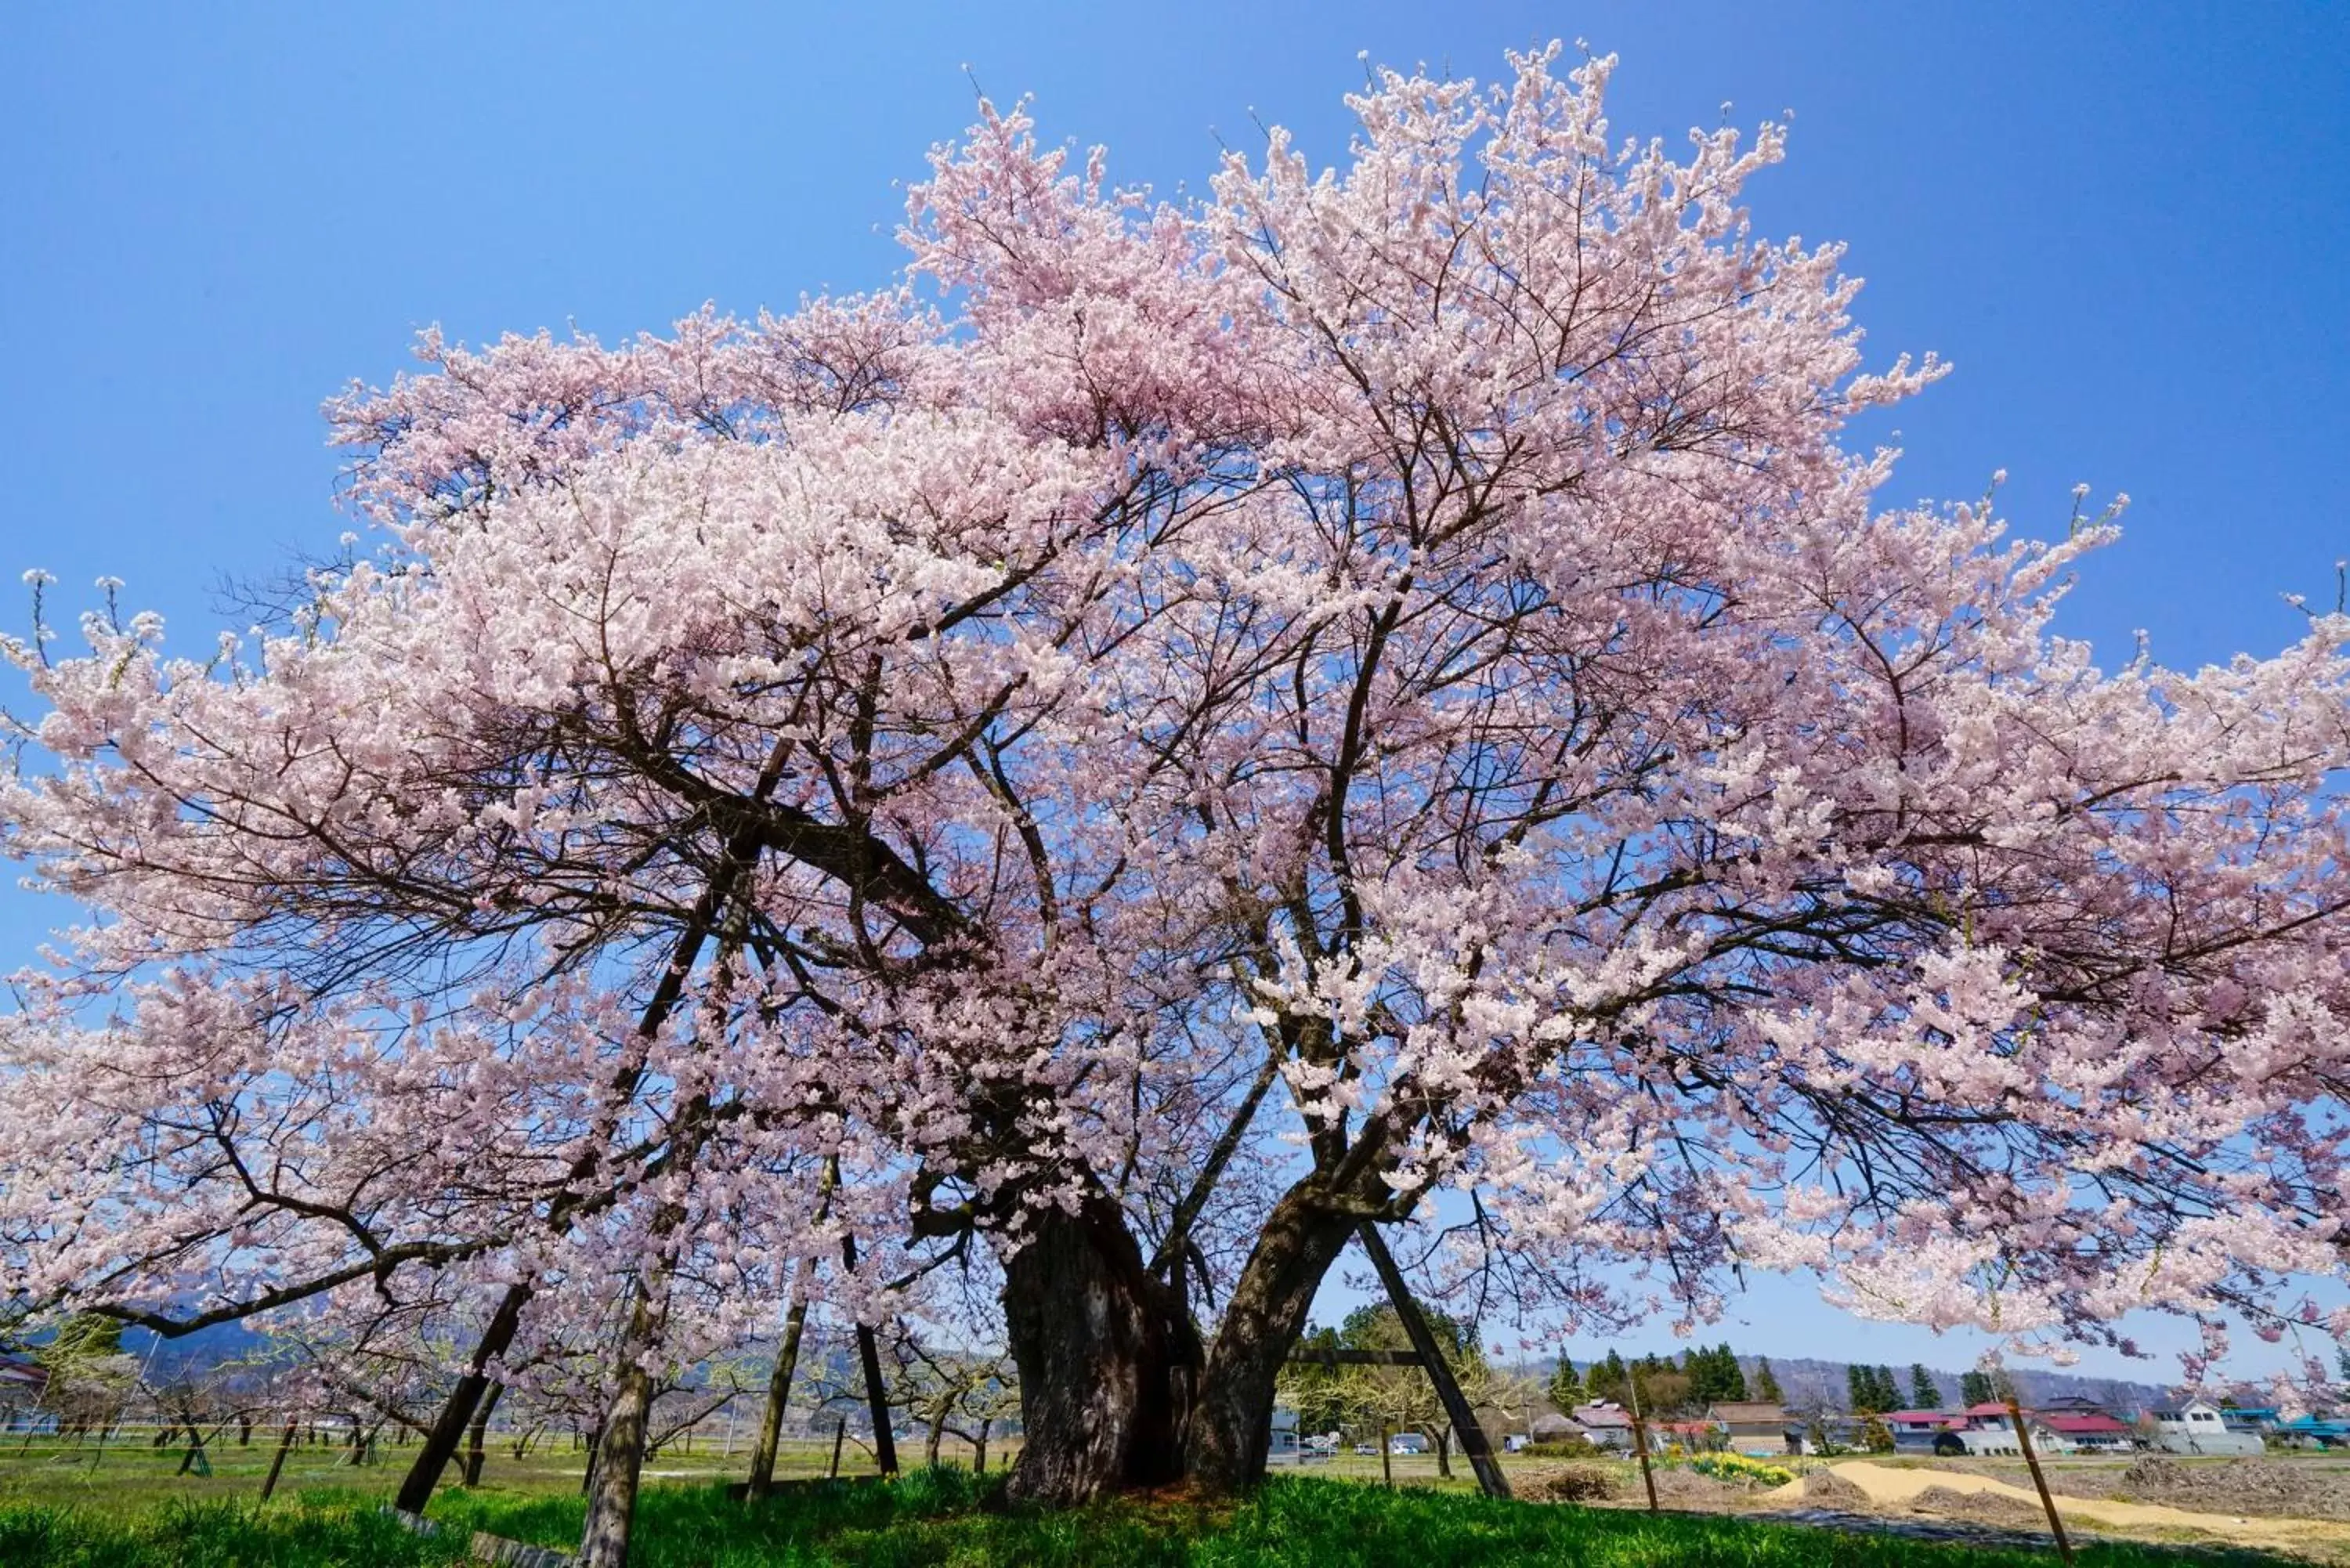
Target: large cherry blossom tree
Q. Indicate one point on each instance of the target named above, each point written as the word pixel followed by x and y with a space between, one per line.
pixel 1173 733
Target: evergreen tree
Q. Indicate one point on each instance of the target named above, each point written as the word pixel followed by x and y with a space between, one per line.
pixel 1974 1388
pixel 1566 1389
pixel 1921 1388
pixel 1889 1391
pixel 1766 1382
pixel 1860 1390
pixel 1733 1376
pixel 1608 1380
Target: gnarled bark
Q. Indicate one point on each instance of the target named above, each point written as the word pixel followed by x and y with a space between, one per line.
pixel 1107 1359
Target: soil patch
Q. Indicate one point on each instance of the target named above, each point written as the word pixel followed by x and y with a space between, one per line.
pixel 1884 1486
pixel 2271 1488
pixel 1572 1483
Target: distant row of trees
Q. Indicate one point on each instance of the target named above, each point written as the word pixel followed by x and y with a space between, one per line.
pixel 1667 1387
pixel 368 1399
pixel 1664 1386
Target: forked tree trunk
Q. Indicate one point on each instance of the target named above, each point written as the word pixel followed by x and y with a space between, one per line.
pixel 1232 1424
pixel 1108 1361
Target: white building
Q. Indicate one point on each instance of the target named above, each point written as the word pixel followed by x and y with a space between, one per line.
pixel 2197 1427
pixel 1282 1449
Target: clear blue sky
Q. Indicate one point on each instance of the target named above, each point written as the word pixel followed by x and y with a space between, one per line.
pixel 2127 224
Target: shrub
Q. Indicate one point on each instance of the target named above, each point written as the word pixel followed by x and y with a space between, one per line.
pixel 1738 1467
pixel 1575 1447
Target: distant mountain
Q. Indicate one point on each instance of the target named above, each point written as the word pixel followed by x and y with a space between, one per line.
pixel 1805 1380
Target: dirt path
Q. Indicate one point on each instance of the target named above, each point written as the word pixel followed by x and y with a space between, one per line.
pixel 1886 1487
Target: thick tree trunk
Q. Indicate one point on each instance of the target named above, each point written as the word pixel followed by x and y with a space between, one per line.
pixel 1107 1359
pixel 779 1397
pixel 449 1426
pixel 930 1444
pixel 1231 1425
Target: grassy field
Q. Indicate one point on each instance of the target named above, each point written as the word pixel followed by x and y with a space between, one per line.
pixel 951 1518
pixel 132 1475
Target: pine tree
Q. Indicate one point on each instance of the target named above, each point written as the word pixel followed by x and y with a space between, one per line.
pixel 1889 1391
pixel 1860 1390
pixel 1974 1388
pixel 1566 1389
pixel 1921 1388
pixel 1609 1379
pixel 1733 1376
pixel 1766 1382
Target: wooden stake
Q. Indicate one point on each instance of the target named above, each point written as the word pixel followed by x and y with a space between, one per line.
pixel 1387 1464
pixel 2031 1463
pixel 839 1436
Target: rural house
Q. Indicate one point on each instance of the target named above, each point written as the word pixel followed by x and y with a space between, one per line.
pixel 1756 1427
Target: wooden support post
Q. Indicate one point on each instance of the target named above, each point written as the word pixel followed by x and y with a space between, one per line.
pixel 2031 1463
pixel 839 1436
pixel 277 1460
pixel 1489 1479
pixel 1641 1438
pixel 1387 1464
pixel 869 1354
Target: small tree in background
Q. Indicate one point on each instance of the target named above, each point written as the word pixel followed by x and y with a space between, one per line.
pixel 1975 1388
pixel 1766 1382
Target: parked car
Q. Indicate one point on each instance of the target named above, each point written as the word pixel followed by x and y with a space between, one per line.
pixel 1368 1451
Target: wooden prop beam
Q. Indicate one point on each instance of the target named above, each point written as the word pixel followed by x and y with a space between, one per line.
pixel 1480 1453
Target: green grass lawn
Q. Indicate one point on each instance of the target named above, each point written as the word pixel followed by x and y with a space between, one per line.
pixel 952 1519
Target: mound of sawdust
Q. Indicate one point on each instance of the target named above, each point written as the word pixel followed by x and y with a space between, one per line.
pixel 1827 1489
pixel 1884 1485
pixel 1980 1508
